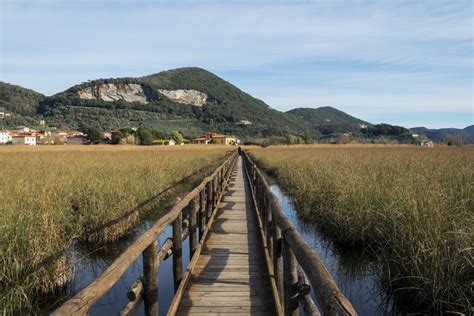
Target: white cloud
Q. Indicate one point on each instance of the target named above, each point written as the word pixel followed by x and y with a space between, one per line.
pixel 424 47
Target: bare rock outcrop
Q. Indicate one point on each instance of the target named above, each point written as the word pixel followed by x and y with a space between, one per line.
pixel 192 97
pixel 130 92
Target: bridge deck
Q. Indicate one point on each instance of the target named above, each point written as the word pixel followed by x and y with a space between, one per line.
pixel 231 274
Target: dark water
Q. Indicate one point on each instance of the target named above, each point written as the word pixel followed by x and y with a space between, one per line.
pixel 89 266
pixel 355 276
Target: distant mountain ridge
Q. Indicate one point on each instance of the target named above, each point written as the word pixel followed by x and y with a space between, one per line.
pixel 191 100
pixel 457 135
pixel 328 119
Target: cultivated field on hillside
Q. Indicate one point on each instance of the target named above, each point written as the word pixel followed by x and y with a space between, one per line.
pixel 412 209
pixel 50 196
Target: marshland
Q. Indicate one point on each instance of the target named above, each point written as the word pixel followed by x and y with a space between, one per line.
pixel 52 197
pixel 408 209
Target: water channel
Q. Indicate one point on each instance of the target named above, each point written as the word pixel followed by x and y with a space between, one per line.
pixel 355 275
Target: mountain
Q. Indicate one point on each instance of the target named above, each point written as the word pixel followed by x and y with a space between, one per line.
pixel 19 100
pixel 192 100
pixel 454 135
pixel 328 119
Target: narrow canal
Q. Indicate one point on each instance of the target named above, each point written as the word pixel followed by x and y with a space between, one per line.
pixel 355 276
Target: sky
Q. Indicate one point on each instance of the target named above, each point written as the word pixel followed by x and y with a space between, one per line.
pixel 408 63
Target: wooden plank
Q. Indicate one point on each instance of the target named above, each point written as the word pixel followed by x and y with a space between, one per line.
pixel 82 301
pixel 330 297
pixel 231 275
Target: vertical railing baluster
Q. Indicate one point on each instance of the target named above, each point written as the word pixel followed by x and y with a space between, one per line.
pixel 202 211
pixel 269 234
pixel 278 259
pixel 290 280
pixel 177 251
pixel 193 208
pixel 150 279
pixel 209 200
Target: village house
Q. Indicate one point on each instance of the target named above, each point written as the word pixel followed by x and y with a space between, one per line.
pixel 76 138
pixel 165 142
pixel 23 129
pixel 5 137
pixel 215 138
pixel 425 143
pixel 24 139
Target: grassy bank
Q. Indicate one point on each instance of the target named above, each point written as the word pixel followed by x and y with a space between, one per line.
pixel 412 208
pixel 52 195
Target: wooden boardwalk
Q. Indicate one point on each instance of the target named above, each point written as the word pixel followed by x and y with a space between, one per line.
pixel 231 275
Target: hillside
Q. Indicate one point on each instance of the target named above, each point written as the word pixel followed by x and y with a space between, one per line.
pixel 327 119
pixel 19 100
pixel 191 99
pixel 454 135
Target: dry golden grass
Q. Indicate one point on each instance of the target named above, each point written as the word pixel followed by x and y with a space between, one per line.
pixel 54 194
pixel 412 208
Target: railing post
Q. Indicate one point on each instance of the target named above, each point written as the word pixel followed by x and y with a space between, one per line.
pixel 269 226
pixel 150 279
pixel 177 250
pixel 278 259
pixel 290 283
pixel 193 207
pixel 209 200
pixel 202 212
pixel 214 194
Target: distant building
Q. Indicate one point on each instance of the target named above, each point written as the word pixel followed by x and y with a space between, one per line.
pixel 165 142
pixel 425 143
pixel 107 135
pixel 25 139
pixel 77 140
pixel 5 137
pixel 215 138
pixel 42 122
pixel 23 129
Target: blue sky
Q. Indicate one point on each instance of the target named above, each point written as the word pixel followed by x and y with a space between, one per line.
pixel 401 62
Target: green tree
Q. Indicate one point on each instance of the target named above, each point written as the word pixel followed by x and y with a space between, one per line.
pixel 117 137
pixel 93 134
pixel 145 136
pixel 178 137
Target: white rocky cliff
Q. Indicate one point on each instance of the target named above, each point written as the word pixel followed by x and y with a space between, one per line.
pixel 130 92
pixel 191 97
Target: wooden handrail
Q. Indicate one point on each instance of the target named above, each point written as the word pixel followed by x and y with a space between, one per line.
pixel 146 244
pixel 289 252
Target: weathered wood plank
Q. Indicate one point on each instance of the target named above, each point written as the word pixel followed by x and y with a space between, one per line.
pixel 231 275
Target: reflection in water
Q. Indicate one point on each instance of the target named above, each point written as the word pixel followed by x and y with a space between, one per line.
pixel 91 265
pixel 355 276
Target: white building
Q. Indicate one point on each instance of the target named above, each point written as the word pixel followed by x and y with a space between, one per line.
pixel 29 140
pixel 23 129
pixel 5 137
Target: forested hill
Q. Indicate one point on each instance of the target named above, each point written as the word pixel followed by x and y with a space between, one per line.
pixel 19 100
pixel 328 119
pixel 191 100
pixel 453 135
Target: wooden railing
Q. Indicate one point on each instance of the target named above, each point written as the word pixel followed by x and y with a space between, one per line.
pixel 293 261
pixel 190 217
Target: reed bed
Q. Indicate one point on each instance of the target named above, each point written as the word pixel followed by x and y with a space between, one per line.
pixel 412 209
pixel 50 196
